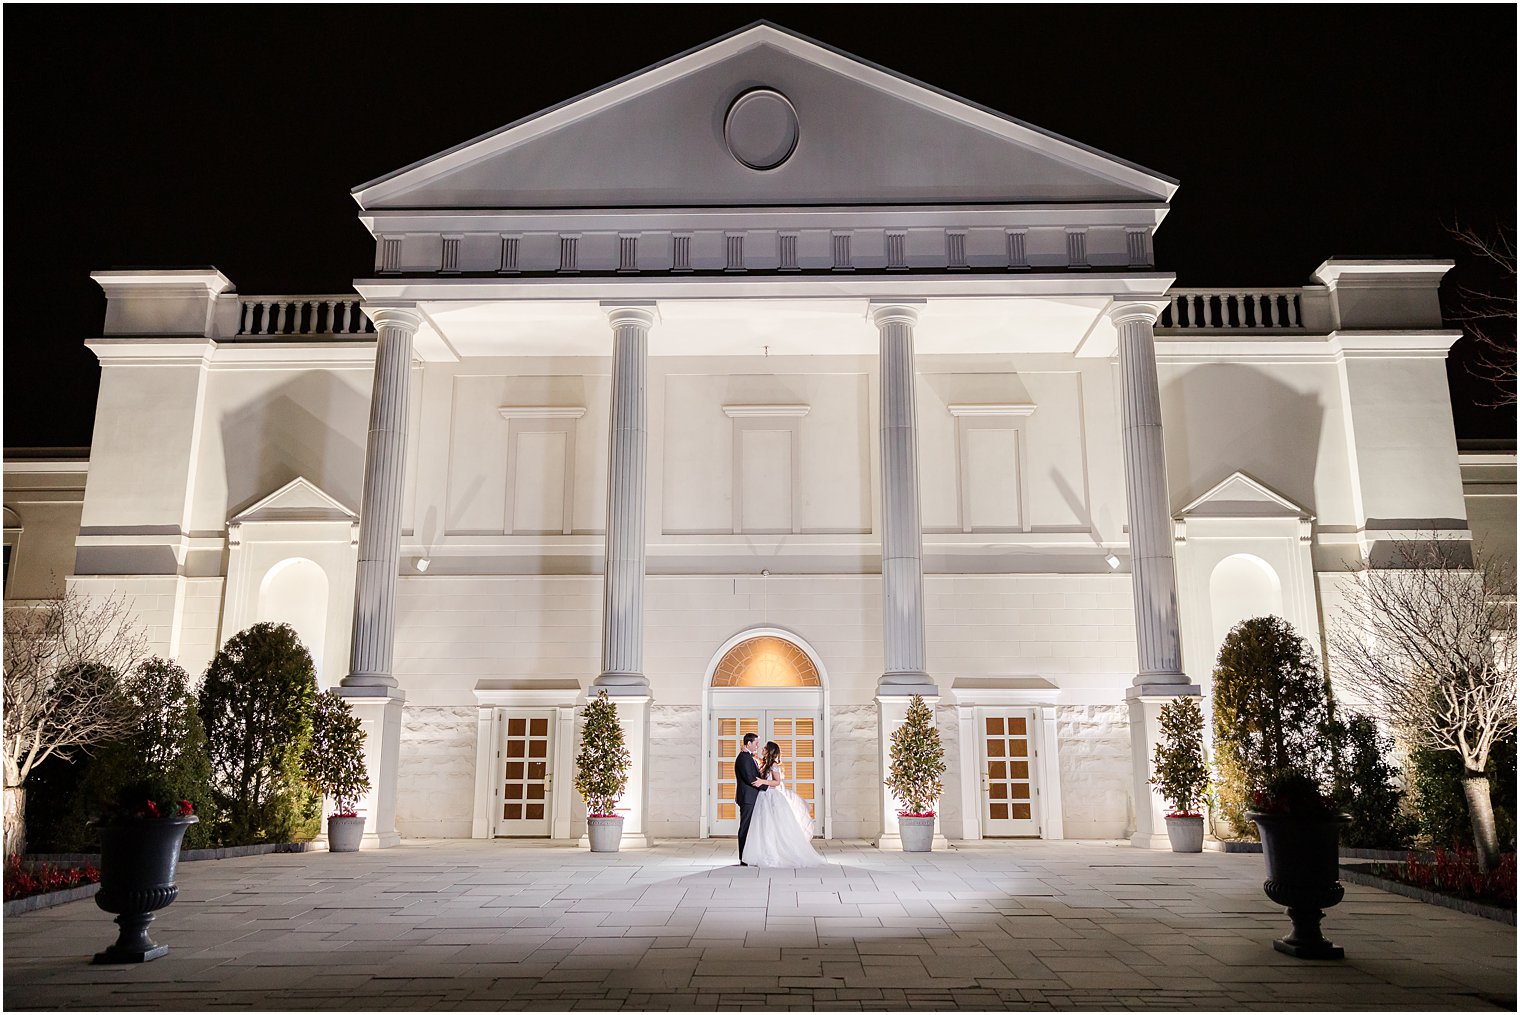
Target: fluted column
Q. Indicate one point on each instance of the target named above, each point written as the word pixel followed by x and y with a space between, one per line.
pixel 1158 641
pixel 622 675
pixel 374 629
pixel 623 586
pixel 902 573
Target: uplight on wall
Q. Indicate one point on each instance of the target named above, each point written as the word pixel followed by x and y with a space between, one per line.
pixel 422 564
pixel 1113 562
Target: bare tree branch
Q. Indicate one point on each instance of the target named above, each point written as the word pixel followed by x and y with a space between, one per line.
pixel 63 665
pixel 1488 316
pixel 1429 643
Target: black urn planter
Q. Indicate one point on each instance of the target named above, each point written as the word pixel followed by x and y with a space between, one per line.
pixel 138 858
pixel 1303 874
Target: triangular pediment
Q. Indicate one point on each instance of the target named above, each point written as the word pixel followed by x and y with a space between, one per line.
pixel 1240 496
pixel 299 500
pixel 679 134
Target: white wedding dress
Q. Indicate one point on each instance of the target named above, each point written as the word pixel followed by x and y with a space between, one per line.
pixel 781 832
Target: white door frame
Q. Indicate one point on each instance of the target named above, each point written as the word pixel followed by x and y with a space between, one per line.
pixel 765 699
pixel 562 700
pixel 971 706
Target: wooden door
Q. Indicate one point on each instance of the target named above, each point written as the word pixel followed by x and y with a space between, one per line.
pixel 1009 794
pixel 526 749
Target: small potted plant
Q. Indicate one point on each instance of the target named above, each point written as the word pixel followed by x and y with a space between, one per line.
pixel 913 776
pixel 334 766
pixel 601 772
pixel 1182 773
pixel 140 836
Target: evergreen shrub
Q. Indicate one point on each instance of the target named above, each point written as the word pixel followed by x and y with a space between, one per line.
pixel 257 703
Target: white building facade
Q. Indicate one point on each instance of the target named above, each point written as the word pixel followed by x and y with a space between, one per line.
pixel 762 389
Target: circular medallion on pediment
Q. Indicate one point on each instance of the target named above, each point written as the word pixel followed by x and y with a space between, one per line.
pixel 761 128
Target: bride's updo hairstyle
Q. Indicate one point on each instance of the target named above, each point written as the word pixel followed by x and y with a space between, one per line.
pixel 772 755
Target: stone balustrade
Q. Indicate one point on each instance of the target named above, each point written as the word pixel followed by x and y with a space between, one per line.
pixel 1216 310
pixel 301 315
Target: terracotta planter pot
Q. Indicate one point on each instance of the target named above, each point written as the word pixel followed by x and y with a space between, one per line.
pixel 344 834
pixel 138 860
pixel 1185 833
pixel 917 834
pixel 606 834
pixel 1303 874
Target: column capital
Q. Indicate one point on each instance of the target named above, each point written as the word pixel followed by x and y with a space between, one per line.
pixel 405 316
pixel 641 312
pixel 883 312
pixel 1123 313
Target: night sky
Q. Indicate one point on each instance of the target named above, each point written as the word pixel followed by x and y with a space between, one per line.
pixel 231 136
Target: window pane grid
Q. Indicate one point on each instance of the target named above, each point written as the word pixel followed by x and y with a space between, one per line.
pixel 526 771
pixel 1009 789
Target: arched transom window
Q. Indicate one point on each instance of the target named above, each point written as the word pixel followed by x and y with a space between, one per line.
pixel 766 661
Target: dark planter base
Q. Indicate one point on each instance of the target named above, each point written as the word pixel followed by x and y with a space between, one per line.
pixel 1302 868
pixel 1306 941
pixel 133 944
pixel 137 864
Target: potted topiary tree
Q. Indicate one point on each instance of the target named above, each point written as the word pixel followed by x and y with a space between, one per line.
pixel 917 762
pixel 1272 718
pixel 334 765
pixel 1182 773
pixel 601 772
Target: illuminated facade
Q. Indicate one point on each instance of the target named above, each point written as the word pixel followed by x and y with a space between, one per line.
pixel 763 389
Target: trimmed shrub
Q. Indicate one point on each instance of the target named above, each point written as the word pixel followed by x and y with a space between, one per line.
pixel 1271 710
pixel 601 767
pixel 257 703
pixel 917 761
pixel 1366 786
pixel 334 761
pixel 167 747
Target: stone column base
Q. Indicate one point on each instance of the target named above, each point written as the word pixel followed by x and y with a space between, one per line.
pixel 633 712
pixel 1145 703
pixel 379 710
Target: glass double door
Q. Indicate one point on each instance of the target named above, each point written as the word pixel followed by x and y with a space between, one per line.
pixel 795 731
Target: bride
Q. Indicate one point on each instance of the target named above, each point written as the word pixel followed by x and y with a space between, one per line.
pixel 781 831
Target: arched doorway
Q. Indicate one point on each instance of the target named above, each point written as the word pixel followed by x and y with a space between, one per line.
pixel 769 682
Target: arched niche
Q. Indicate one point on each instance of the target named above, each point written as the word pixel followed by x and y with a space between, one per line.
pixel 1242 586
pixel 294 591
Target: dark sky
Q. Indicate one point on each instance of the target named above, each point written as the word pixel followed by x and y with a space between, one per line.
pixel 150 136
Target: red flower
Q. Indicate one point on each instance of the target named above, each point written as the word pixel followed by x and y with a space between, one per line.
pixel 186 808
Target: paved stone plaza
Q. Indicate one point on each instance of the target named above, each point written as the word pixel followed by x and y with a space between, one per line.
pixel 451 924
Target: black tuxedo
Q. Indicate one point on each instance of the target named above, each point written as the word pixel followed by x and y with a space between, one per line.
pixel 746 793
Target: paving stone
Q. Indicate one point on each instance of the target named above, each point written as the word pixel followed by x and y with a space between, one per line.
pixel 522 926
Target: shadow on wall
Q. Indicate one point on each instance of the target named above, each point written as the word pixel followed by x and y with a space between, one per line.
pixel 1220 419
pixel 306 427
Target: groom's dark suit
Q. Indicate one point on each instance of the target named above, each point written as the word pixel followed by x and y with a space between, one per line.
pixel 746 793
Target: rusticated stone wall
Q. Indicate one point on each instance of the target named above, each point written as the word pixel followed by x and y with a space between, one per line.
pixel 1095 771
pixel 855 772
pixel 676 756
pixel 436 782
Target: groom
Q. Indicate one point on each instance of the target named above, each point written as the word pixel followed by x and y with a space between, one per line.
pixel 749 787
